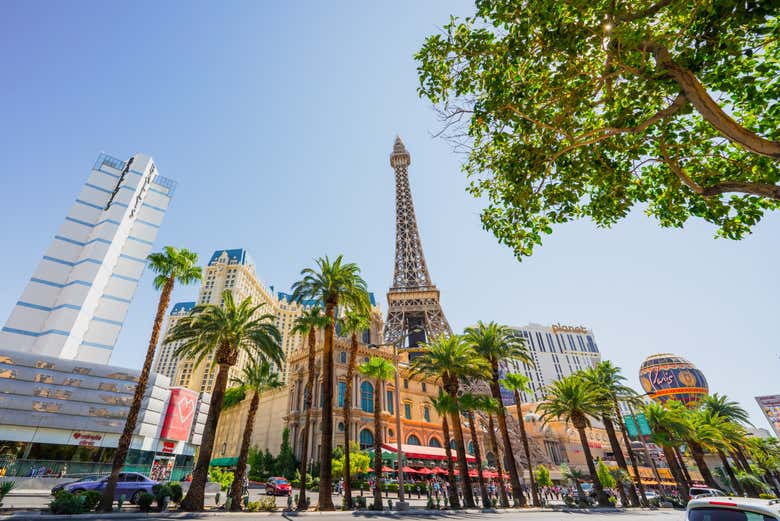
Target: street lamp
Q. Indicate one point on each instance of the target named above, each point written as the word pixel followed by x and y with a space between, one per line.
pixel 402 505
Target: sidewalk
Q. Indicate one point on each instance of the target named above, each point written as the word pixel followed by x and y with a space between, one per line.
pixel 363 513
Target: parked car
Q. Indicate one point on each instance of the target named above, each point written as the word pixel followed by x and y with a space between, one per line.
pixel 130 484
pixel 705 492
pixel 61 486
pixel 732 509
pixel 278 487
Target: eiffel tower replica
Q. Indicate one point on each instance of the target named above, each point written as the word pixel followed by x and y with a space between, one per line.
pixel 414 314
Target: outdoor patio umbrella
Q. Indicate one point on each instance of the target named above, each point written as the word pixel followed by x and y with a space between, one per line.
pixel 438 470
pixel 387 469
pixel 424 471
pixel 409 470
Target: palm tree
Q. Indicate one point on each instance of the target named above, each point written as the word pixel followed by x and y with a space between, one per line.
pixel 491 408
pixel 448 359
pixel 469 404
pixel 353 323
pixel 307 324
pixel 574 476
pixel 498 344
pixel 258 377
pixel 573 400
pixel 734 414
pixel 219 334
pixel 332 283
pixel 519 383
pixel 380 370
pixel 606 377
pixel 670 427
pixel 706 435
pixel 445 406
pixel 766 454
pixel 171 266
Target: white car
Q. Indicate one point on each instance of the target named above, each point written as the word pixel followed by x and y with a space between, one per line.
pixel 732 509
pixel 696 492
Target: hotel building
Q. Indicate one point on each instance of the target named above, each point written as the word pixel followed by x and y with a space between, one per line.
pixel 232 270
pixel 557 351
pixel 76 301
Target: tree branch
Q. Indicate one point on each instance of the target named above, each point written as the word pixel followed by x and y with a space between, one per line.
pixel 708 107
pixel 767 190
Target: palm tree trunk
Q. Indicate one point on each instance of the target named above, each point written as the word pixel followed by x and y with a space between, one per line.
pixel 326 464
pixel 478 455
pixel 742 458
pixel 195 495
pixel 770 480
pixel 453 482
pixel 502 497
pixel 697 452
pixel 727 467
pixel 107 501
pixel 347 412
pixel 632 456
pixel 378 448
pixel 683 466
pixel 621 462
pixel 518 498
pixel 527 450
pixel 238 481
pixel 307 402
pixel 674 467
pixel 597 486
pixel 463 466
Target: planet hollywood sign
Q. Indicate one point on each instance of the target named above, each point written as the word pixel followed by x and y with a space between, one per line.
pixel 560 328
pixel 87 439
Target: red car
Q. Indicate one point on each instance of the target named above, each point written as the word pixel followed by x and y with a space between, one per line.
pixel 278 487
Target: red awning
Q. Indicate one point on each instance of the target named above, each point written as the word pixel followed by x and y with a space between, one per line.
pixel 421 452
pixel 384 469
pixel 424 471
pixel 409 470
pixel 438 470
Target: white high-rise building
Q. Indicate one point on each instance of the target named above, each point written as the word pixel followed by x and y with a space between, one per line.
pixel 557 351
pixel 76 301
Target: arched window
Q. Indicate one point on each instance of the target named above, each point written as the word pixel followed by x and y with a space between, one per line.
pixel 341 426
pixel 434 442
pixel 367 397
pixel 491 459
pixel 412 440
pixel 470 448
pixel 366 439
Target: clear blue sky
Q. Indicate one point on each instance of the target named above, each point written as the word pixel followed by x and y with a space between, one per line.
pixel 277 120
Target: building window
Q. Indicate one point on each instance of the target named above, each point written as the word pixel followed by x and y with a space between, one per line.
pixel 343 357
pixel 424 388
pixel 342 393
pixel 453 445
pixel 408 411
pixel 367 397
pixel 341 426
pixel 406 383
pixel 390 403
pixel 412 440
pixel 434 442
pixel 366 439
pixel 427 414
pixel 470 447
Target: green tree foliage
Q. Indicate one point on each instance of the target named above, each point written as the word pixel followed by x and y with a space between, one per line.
pixel 359 461
pixel 573 109
pixel 542 476
pixel 233 396
pixel 285 461
pixel 605 476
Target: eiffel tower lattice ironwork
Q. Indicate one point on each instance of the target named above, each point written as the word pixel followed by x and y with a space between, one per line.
pixel 414 314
